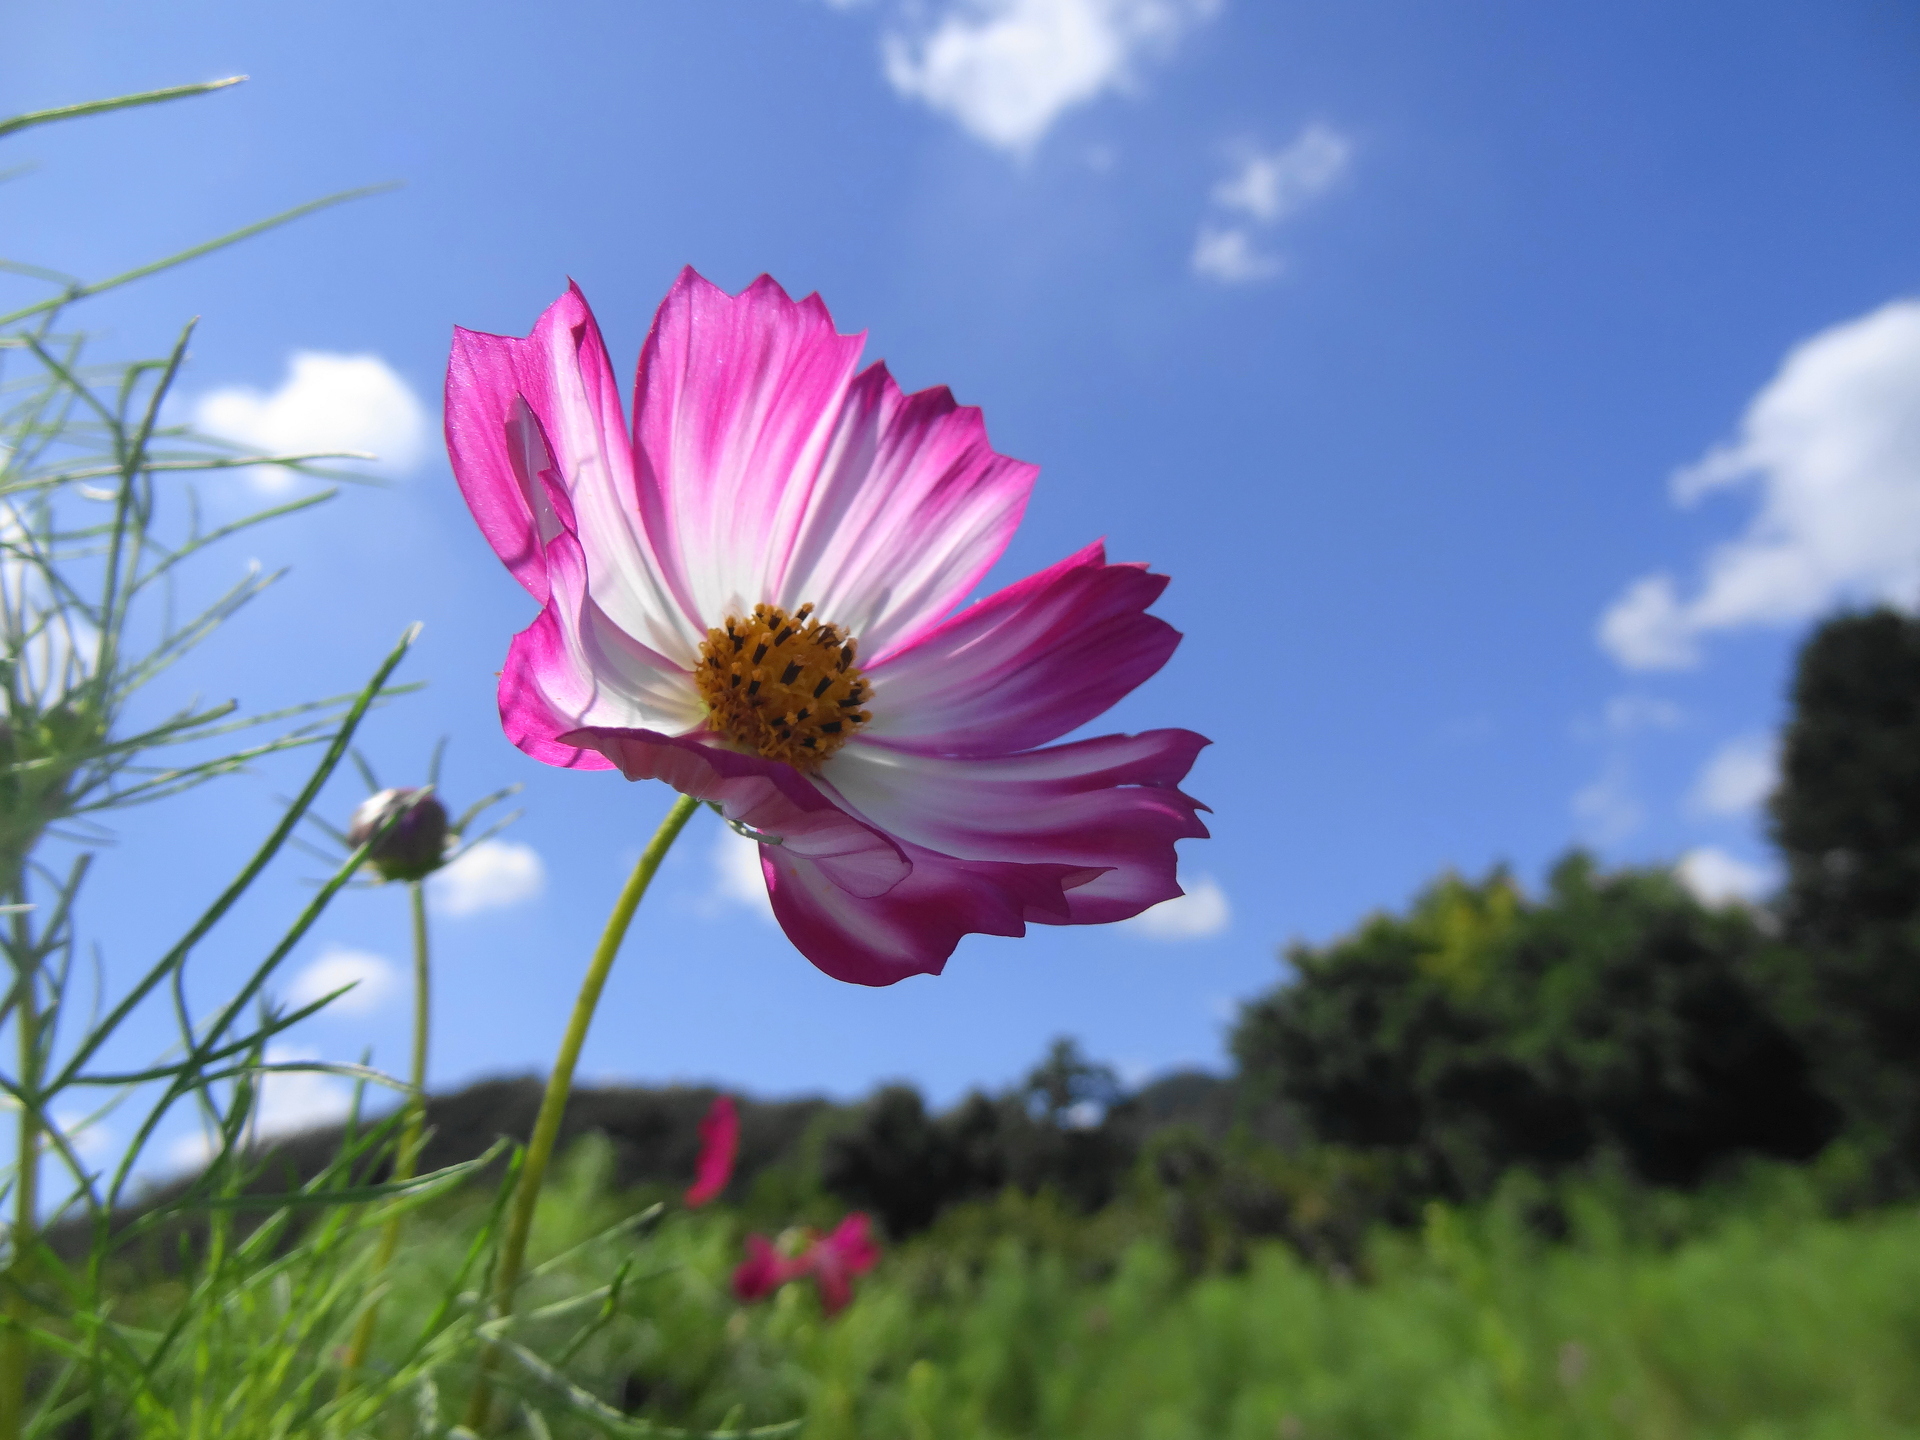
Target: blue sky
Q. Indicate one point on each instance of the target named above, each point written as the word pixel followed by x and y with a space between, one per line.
pixel 1416 343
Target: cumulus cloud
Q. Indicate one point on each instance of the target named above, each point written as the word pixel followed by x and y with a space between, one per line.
pixel 1202 912
pixel 1266 189
pixel 1831 449
pixel 374 981
pixel 1717 878
pixel 327 402
pixel 1739 777
pixel 1007 69
pixel 491 876
pixel 737 878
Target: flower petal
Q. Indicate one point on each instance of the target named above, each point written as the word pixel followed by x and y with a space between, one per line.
pixel 518 409
pixel 765 796
pixel 911 507
pixel 1111 804
pixel 768 472
pixel 719 1146
pixel 1026 665
pixel 574 668
pixel 735 403
pixel 914 926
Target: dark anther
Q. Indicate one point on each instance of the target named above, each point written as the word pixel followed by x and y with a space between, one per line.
pixel 760 652
pixel 753 689
pixel 823 687
pixel 782 637
pixel 830 727
pixel 790 674
pixel 733 682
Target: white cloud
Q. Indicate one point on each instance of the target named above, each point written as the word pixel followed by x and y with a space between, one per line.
pixel 288 1101
pixel 1007 69
pixel 1607 809
pixel 54 648
pixel 89 1138
pixel 1267 188
pixel 1717 878
pixel 737 877
pixel 1832 446
pixel 1741 774
pixel 491 876
pixel 1202 912
pixel 1228 254
pixel 1630 714
pixel 1271 187
pixel 327 402
pixel 374 981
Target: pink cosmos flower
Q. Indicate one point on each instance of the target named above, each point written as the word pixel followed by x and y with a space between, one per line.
pixel 764 1270
pixel 719 1144
pixel 834 1261
pixel 753 597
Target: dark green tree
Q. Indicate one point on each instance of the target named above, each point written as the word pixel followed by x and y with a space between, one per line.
pixel 1846 816
pixel 1482 1031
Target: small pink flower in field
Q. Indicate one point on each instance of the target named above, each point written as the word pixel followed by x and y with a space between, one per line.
pixel 834 1261
pixel 837 1259
pixel 719 1143
pixel 753 597
pixel 764 1270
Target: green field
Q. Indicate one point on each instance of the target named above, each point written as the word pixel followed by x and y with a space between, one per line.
pixel 1018 1318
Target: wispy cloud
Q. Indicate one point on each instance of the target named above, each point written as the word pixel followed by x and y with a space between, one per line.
pixel 326 403
pixel 1741 774
pixel 1265 190
pixel 374 981
pixel 1631 714
pixel 1717 878
pixel 1202 912
pixel 1832 446
pixel 1606 808
pixel 492 875
pixel 1006 70
pixel 1230 255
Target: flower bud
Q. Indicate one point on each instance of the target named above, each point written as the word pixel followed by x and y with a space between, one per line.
pixel 415 847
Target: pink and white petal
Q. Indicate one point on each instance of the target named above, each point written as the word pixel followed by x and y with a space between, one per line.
pixel 517 409
pixel 573 667
pixel 911 507
pixel 766 796
pixel 1026 665
pixel 494 443
pixel 1111 804
pixel 734 407
pixel 913 927
pixel 538 686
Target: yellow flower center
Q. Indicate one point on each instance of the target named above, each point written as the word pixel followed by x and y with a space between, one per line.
pixel 783 686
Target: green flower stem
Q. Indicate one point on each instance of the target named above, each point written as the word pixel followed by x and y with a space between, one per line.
pixel 546 1128
pixel 15 1354
pixel 413 1127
